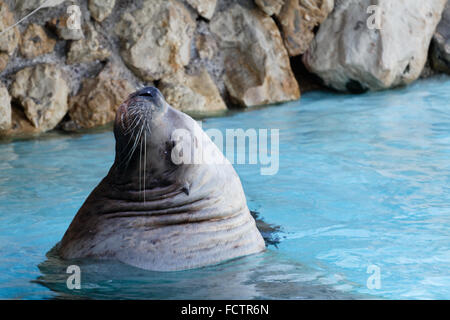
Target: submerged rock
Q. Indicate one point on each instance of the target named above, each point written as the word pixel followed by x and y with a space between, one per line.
pixel 88 49
pixel 257 67
pixel 298 18
pixel 5 108
pixel 270 7
pixel 42 92
pixel 192 93
pixel 35 42
pixel 10 39
pixel 205 8
pixel 349 56
pixel 101 9
pixel 98 99
pixel 156 38
pixel 440 52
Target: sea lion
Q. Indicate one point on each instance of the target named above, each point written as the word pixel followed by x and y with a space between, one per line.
pixel 158 214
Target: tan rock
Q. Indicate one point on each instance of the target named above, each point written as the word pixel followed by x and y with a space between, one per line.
pixel 192 93
pixel 35 42
pixel 5 108
pixel 156 38
pixel 257 67
pixel 42 92
pixel 350 56
pixel 205 8
pixel 440 50
pixel 270 7
pixel 4 58
pixel 101 9
pixel 298 18
pixel 10 39
pixel 99 98
pixel 59 25
pixel 20 125
pixel 206 46
pixel 88 49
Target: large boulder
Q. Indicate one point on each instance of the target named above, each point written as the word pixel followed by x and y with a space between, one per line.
pixel 10 39
pixel 440 52
pixel 298 18
pixel 196 93
pixel 156 38
pixel 205 8
pixel 101 9
pixel 88 49
pixel 35 42
pixel 350 56
pixel 98 99
pixel 42 92
pixel 5 108
pixel 257 67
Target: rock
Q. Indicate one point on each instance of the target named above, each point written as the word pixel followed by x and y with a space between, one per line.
pixel 101 9
pixel 270 7
pixel 298 18
pixel 88 49
pixel 257 67
pixel 20 125
pixel 440 50
pixel 4 58
pixel 27 5
pixel 349 56
pixel 5 109
pixel 35 42
pixel 99 98
pixel 42 92
pixel 192 93
pixel 59 25
pixel 206 46
pixel 156 38
pixel 10 39
pixel 205 8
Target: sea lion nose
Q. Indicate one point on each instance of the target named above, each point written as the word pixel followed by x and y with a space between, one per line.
pixel 148 92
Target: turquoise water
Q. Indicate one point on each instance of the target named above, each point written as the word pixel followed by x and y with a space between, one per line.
pixel 363 180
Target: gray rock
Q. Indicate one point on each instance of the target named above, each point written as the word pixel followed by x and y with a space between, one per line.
pixel 88 49
pixel 257 67
pixel 156 38
pixel 28 5
pixel 349 56
pixel 42 92
pixel 101 9
pixel 205 8
pixel 5 108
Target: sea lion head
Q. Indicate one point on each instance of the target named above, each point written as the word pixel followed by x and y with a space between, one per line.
pixel 142 129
